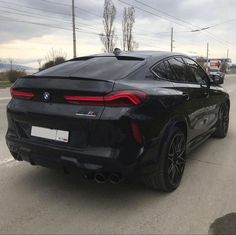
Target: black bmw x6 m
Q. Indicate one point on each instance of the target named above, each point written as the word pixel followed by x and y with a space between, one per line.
pixel 115 116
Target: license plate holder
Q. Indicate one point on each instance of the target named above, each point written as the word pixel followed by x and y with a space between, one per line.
pixel 50 134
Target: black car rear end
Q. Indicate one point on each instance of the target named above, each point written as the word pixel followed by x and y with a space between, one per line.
pixel 72 98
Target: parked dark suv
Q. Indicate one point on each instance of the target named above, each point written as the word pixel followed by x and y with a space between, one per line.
pixel 113 116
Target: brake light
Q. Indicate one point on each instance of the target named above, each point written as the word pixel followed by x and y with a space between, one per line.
pixel 115 99
pixel 21 95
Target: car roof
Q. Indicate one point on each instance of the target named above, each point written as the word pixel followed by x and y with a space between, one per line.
pixel 151 56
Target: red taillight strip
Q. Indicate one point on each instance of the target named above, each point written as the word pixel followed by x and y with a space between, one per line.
pixel 117 99
pixel 135 98
pixel 21 95
pixel 84 98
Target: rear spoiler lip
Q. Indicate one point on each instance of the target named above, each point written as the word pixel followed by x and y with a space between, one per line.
pixel 119 57
pixel 65 77
pixel 74 83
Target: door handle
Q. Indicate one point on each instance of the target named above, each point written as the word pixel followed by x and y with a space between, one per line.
pixel 186 96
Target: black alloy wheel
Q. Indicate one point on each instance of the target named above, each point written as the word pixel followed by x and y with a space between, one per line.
pixel 224 117
pixel 223 122
pixel 170 164
pixel 176 159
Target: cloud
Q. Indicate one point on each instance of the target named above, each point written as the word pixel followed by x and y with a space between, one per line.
pixel 151 32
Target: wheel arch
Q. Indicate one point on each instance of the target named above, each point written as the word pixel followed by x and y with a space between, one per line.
pixel 228 102
pixel 179 122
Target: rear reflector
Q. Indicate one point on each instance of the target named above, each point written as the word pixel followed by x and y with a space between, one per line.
pixel 115 99
pixel 136 133
pixel 21 95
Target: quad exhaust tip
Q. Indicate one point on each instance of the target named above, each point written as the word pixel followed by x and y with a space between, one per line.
pixel 100 178
pixel 114 178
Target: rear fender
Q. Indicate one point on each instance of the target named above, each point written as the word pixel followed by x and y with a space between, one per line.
pixel 177 121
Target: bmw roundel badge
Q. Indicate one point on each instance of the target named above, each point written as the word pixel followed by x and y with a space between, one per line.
pixel 46 96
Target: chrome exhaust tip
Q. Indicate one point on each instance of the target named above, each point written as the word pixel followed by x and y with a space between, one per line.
pixel 115 178
pixel 100 178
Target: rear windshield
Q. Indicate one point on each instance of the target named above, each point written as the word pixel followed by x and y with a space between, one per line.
pixel 101 68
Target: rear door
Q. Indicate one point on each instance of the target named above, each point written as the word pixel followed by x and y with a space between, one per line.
pixel 193 97
pixel 211 94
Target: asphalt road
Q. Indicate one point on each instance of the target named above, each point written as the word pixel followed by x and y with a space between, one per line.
pixel 38 200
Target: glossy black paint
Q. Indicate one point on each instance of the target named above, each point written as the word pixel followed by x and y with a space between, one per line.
pixel 104 141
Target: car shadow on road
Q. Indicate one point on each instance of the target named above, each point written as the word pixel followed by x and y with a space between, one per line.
pixel 57 186
pixel 73 186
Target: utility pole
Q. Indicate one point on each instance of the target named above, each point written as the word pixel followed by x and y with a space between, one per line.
pixel 11 64
pixel 73 24
pixel 207 54
pixel 172 40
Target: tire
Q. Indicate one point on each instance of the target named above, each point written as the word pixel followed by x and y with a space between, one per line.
pixel 222 125
pixel 171 163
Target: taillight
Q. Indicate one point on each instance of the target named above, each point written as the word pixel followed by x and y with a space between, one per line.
pixel 21 95
pixel 115 99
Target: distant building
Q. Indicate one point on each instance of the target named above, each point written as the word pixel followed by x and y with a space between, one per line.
pixel 214 63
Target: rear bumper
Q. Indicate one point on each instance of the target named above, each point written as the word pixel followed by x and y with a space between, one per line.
pixel 107 144
pixel 69 159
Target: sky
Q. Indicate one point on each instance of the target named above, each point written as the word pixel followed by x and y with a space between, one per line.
pixel 30 29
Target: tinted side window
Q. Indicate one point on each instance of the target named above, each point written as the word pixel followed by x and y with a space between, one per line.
pixel 197 71
pixel 191 68
pixel 201 77
pixel 163 70
pixel 179 68
pixel 160 70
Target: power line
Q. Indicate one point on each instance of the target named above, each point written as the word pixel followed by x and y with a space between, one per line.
pixel 16 13
pixel 215 25
pixel 167 14
pixel 151 13
pixel 47 25
pixel 33 23
pixel 179 19
pixel 55 12
pixel 39 9
pixel 27 13
pixel 222 41
pixel 67 5
pixel 19 12
pixel 188 23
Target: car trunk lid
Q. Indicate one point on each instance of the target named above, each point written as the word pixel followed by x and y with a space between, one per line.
pixel 48 107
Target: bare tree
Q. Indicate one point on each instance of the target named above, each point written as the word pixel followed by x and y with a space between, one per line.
pixel 108 38
pixel 53 54
pixel 54 57
pixel 127 28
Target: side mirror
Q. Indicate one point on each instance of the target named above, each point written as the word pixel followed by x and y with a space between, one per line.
pixel 216 79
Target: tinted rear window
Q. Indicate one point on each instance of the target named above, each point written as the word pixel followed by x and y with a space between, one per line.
pixel 104 68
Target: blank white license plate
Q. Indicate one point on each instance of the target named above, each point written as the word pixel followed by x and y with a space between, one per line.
pixel 51 134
